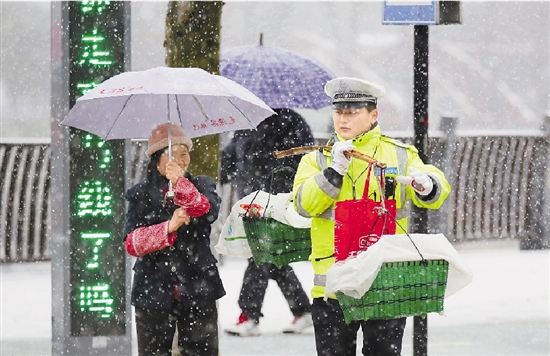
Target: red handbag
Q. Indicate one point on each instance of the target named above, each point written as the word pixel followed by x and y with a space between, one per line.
pixel 360 223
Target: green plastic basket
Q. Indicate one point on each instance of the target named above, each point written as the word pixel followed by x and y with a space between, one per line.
pixel 274 242
pixel 400 289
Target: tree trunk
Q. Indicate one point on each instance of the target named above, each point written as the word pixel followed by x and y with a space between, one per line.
pixel 193 40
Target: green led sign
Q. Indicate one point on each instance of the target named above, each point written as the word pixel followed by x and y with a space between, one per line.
pixel 96 178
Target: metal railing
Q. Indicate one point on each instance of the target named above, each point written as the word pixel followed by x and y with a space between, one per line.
pixel 25 212
pixel 495 182
pixel 500 189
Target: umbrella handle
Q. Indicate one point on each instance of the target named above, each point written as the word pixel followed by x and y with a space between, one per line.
pixel 170 194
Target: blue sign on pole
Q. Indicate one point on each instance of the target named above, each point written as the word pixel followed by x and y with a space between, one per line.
pixel 410 13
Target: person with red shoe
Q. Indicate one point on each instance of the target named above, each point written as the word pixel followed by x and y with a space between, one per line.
pixel 247 162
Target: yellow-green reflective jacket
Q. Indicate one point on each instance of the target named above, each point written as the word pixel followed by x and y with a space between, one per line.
pixel 315 197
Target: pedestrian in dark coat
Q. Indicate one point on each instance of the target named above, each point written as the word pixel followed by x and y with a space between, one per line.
pixel 247 162
pixel 176 280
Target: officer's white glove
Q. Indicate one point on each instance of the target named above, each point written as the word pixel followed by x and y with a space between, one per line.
pixel 418 180
pixel 340 162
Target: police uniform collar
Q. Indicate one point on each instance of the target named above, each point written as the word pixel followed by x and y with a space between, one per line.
pixel 364 138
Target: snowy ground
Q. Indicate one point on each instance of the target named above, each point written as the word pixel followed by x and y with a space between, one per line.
pixel 504 311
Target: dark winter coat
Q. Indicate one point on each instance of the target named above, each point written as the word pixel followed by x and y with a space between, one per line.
pixel 248 160
pixel 189 263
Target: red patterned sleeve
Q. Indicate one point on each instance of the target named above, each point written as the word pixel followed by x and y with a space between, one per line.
pixel 149 239
pixel 188 197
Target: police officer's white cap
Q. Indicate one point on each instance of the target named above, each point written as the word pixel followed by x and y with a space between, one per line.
pixel 352 92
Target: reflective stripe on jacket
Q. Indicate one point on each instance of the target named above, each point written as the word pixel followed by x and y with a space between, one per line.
pixel 314 196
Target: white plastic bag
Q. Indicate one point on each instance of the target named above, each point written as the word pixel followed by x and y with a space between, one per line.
pixel 233 242
pixel 355 275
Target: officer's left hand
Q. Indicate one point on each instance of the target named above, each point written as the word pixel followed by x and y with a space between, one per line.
pixel 418 180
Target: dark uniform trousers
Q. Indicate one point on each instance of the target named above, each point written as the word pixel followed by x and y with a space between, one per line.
pixel 333 337
pixel 255 284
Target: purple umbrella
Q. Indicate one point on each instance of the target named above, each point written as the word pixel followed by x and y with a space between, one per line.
pixel 281 78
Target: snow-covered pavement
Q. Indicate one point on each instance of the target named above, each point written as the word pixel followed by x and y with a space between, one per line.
pixel 504 311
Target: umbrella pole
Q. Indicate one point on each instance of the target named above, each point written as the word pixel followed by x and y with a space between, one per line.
pixel 170 194
pixel 169 142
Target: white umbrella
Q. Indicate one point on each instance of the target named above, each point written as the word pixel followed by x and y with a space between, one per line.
pixel 131 104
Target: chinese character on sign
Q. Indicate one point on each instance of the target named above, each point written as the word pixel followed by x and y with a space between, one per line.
pixel 90 6
pixel 93 52
pixel 92 142
pixel 97 238
pixel 94 199
pixel 84 87
pixel 96 298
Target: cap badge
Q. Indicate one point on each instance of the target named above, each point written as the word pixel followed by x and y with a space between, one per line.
pixel 342 87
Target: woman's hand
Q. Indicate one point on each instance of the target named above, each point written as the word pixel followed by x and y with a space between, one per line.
pixel 173 172
pixel 179 218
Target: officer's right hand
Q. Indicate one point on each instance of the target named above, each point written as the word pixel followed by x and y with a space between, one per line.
pixel 179 218
pixel 418 180
pixel 340 162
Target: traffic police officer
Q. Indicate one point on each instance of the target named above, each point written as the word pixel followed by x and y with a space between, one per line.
pixel 324 178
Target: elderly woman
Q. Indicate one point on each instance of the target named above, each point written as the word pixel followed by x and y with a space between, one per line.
pixel 176 280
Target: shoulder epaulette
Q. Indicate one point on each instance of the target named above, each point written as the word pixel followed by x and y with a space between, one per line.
pixel 398 143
